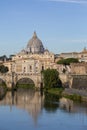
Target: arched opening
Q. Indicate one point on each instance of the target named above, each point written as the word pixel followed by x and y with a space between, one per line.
pixel 2 82
pixel 25 83
pixel 42 67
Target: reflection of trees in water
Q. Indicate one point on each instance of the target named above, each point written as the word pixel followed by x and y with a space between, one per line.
pixel 33 102
pixel 51 102
pixel 50 106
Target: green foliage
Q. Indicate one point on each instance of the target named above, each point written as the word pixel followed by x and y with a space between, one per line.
pixel 51 78
pixel 49 102
pixel 3 69
pixel 25 86
pixel 56 91
pixel 74 97
pixel 68 61
pixel 2 58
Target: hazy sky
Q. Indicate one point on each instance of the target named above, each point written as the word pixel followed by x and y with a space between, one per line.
pixel 60 24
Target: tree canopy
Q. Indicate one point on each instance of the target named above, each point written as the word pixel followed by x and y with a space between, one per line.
pixel 51 78
pixel 2 58
pixel 3 69
pixel 68 61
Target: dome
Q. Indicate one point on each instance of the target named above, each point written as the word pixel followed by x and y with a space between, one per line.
pixel 35 45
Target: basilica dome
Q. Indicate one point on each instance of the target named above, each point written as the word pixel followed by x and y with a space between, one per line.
pixel 35 45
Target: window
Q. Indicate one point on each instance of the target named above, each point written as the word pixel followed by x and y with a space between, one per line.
pixel 24 69
pixel 42 67
pixel 30 68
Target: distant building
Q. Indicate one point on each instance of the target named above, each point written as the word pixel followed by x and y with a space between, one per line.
pixel 33 59
pixel 82 56
pixel 69 55
pixel 79 68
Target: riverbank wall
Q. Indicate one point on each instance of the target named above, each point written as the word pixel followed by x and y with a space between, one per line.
pixel 80 94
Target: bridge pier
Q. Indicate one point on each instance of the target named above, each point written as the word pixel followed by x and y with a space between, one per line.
pixel 13 84
pixel 74 80
pixel 66 80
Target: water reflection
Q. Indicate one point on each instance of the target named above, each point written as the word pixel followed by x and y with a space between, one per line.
pixel 33 102
pixel 45 110
pixel 28 100
pixel 51 102
pixel 2 92
pixel 66 104
pixel 72 107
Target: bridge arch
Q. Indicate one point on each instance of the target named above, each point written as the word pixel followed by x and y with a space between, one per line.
pixel 12 79
pixel 25 82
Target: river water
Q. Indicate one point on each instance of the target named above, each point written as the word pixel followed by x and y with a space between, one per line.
pixel 29 110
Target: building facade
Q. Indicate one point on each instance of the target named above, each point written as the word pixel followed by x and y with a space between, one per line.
pixel 81 56
pixel 33 59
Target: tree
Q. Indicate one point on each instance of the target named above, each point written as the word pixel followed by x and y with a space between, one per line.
pixel 51 78
pixel 3 69
pixel 2 58
pixel 68 61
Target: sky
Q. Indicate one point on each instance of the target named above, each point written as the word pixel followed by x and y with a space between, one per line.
pixel 61 25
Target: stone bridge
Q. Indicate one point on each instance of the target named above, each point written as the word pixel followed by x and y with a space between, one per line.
pixel 77 81
pixel 69 80
pixel 11 79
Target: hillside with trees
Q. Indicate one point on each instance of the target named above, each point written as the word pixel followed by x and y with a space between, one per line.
pixel 68 61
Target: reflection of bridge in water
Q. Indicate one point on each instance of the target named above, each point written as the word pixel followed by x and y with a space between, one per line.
pixel 28 100
pixel 12 78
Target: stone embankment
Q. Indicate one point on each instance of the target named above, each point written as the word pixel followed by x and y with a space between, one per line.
pixel 81 93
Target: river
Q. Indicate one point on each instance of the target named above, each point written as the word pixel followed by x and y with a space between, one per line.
pixel 30 110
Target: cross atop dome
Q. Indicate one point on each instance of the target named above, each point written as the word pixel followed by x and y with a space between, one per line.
pixel 34 35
